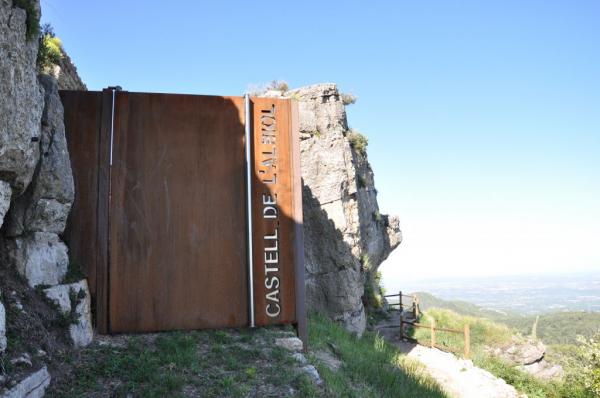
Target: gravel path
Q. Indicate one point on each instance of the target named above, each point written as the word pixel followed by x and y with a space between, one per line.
pixel 459 377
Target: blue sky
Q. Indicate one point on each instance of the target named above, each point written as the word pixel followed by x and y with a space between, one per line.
pixel 483 117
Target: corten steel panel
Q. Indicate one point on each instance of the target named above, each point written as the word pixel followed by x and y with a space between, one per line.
pixel 275 231
pixel 87 116
pixel 177 214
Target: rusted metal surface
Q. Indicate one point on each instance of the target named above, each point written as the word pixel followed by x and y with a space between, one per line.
pixel 87 117
pixel 162 232
pixel 274 214
pixel 177 251
pixel 83 110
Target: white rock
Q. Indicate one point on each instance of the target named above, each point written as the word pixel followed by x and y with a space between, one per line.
pixel 34 386
pixel 290 343
pixel 24 359
pixel 312 372
pixel 298 357
pixel 40 257
pixel 2 328
pixel 82 332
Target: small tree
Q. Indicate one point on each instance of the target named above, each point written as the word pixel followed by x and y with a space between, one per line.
pixel 50 51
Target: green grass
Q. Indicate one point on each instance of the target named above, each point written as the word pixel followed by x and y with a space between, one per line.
pixel 203 363
pixel 528 384
pixel 483 331
pixel 370 366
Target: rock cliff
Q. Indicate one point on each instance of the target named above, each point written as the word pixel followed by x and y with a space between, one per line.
pixel 345 236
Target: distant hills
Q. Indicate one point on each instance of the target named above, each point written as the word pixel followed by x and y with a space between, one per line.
pixel 552 328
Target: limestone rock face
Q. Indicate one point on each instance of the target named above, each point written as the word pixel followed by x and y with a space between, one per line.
pixel 40 257
pixel 66 74
pixel 21 99
pixel 345 236
pixel 74 298
pixel 47 201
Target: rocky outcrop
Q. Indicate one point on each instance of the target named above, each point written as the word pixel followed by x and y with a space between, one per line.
pixel 521 352
pixel 529 355
pixel 74 301
pixel 345 236
pixel 31 243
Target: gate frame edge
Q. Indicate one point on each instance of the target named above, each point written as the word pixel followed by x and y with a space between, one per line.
pixel 103 212
pixel 300 290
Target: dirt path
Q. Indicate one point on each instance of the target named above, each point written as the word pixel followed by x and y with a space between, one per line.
pixel 459 377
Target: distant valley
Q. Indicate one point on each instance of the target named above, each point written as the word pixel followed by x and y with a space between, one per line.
pixel 524 294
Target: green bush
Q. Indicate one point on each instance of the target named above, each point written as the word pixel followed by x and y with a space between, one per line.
pixel 590 349
pixel 50 51
pixel 33 17
pixel 357 141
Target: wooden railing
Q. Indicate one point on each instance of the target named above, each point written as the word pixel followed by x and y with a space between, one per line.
pixel 414 310
pixel 466 332
pixel 414 303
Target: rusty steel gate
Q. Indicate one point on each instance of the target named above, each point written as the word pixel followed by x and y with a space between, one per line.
pixel 188 209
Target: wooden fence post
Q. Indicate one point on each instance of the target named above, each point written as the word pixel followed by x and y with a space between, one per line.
pixel 401 327
pixel 400 301
pixel 467 341
pixel 416 307
pixel 432 332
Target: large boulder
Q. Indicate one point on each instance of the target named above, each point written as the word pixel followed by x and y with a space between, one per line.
pixel 40 257
pixel 522 352
pixel 21 97
pixel 345 236
pixel 73 300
